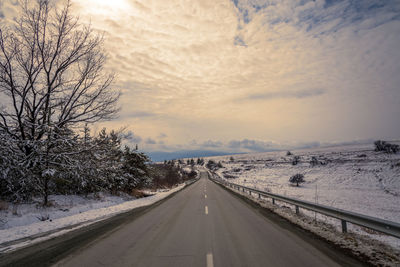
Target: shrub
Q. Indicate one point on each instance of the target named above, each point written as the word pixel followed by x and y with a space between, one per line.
pixel 314 161
pixel 386 147
pixel 192 174
pixel 200 161
pixel 211 164
pixel 297 179
pixel 289 153
pixel 167 175
pixel 295 160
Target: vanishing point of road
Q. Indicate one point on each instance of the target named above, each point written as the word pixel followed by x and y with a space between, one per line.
pixel 205 225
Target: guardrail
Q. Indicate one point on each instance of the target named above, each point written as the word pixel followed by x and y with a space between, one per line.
pixel 379 225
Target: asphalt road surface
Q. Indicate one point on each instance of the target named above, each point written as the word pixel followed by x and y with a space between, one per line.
pixel 205 225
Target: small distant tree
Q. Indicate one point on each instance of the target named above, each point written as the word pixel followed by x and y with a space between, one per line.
pixel 211 164
pixel 295 160
pixel 386 147
pixel 297 179
pixel 200 161
pixel 231 159
pixel 289 153
pixel 314 161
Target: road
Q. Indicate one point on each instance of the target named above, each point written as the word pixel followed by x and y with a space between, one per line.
pixel 205 225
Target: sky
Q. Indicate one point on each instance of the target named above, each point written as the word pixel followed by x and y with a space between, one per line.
pixel 249 75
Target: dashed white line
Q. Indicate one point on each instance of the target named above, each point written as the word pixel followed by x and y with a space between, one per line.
pixel 206 210
pixel 205 196
pixel 210 262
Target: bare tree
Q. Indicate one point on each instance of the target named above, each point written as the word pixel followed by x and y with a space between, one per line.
pixel 52 78
pixel 52 73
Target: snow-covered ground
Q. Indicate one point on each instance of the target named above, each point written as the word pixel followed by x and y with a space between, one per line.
pixel 353 178
pixel 26 220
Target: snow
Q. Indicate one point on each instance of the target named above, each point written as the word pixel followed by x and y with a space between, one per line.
pixel 69 212
pixel 354 178
pixel 370 250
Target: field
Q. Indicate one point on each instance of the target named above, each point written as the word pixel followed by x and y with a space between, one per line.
pixel 353 178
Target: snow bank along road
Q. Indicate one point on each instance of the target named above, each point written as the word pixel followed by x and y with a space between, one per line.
pixel 203 225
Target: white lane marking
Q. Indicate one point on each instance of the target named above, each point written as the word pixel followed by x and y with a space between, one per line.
pixel 205 196
pixel 210 262
pixel 206 210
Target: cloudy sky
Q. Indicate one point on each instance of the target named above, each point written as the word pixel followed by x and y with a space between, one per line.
pixel 250 75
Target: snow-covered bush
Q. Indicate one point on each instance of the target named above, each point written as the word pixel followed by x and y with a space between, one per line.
pixel 212 165
pixel 295 160
pixel 314 161
pixel 386 147
pixel 15 182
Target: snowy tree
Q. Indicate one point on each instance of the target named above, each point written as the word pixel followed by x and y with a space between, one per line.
pixel 136 169
pixel 297 179
pixel 52 78
pixel 109 156
pixel 52 72
pixel 15 185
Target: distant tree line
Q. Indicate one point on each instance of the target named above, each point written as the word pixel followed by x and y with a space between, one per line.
pixel 191 162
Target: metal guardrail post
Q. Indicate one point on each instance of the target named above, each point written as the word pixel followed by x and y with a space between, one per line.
pixel 273 201
pixel 259 195
pixel 344 226
pixel 297 210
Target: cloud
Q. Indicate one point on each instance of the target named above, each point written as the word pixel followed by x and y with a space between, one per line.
pixel 192 69
pixel 132 138
pixel 286 94
pixel 139 114
pixel 150 141
pixel 162 136
pixel 211 143
pixel 252 145
pixel 239 41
